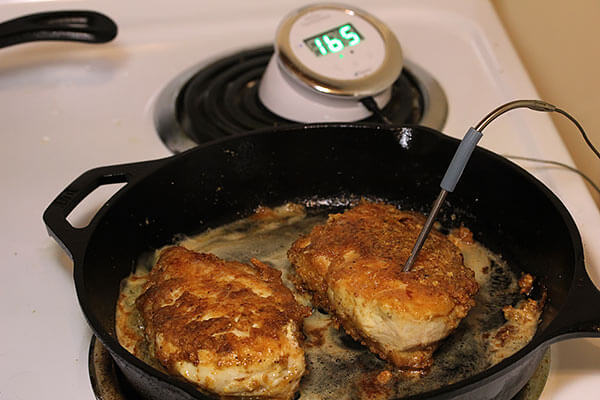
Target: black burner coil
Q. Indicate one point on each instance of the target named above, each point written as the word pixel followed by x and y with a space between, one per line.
pixel 221 99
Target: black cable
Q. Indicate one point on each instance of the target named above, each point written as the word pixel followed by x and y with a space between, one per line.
pixel 539 105
pixel 371 105
pixel 585 137
pixel 536 105
pixel 584 176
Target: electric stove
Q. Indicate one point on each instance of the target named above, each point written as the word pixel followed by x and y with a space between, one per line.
pixel 69 107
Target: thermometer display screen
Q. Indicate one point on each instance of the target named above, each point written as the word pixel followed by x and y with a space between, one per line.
pixel 334 40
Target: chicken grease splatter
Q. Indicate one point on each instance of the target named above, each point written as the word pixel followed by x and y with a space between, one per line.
pixel 501 322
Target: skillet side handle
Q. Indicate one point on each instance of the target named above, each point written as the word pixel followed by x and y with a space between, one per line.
pixel 580 317
pixel 75 26
pixel 73 240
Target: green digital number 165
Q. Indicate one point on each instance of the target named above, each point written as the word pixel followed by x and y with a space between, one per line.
pixel 327 44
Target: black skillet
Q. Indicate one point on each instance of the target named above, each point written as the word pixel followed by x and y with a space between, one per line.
pixel 508 210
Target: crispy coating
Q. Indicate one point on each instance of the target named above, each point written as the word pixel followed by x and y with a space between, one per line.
pixel 526 284
pixel 520 326
pixel 352 266
pixel 230 328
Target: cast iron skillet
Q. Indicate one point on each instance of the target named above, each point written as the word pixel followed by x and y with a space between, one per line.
pixel 508 210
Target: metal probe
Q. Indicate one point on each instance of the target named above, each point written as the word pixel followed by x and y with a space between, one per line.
pixel 458 163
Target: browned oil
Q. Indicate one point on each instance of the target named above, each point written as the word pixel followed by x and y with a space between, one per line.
pixel 337 366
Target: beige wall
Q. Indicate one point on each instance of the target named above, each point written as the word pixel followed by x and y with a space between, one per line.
pixel 559 43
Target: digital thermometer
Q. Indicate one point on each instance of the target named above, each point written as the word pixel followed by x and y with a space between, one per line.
pixel 327 57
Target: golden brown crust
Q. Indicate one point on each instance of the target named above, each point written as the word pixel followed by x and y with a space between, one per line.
pixel 525 283
pixel 526 311
pixel 235 313
pixel 362 251
pixel 377 239
pixel 198 279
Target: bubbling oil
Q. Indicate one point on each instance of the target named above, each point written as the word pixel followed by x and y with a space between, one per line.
pixel 337 366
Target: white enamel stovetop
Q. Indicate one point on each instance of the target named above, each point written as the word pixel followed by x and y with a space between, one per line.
pixel 68 107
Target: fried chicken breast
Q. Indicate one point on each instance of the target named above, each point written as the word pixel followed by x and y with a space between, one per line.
pixel 230 328
pixel 352 266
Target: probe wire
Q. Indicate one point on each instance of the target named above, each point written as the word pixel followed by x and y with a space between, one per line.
pixel 536 105
pixel 563 165
pixel 371 105
pixel 578 125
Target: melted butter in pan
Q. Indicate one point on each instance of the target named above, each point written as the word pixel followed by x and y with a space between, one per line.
pixel 337 366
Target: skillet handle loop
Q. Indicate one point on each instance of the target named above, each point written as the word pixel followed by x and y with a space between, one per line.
pixel 580 317
pixel 74 240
